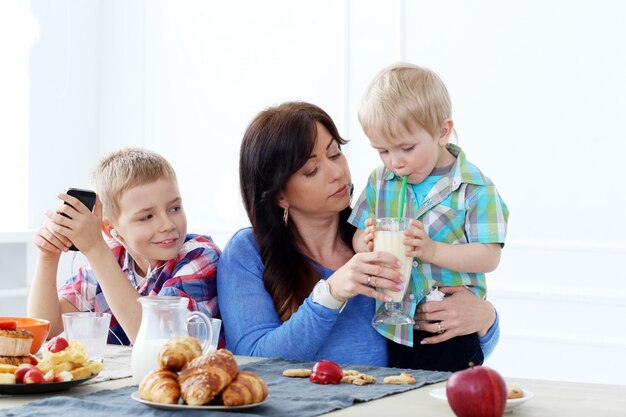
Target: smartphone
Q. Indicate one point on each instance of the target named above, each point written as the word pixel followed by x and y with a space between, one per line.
pixel 87 197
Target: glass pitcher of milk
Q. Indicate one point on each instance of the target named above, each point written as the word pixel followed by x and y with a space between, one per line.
pixel 162 318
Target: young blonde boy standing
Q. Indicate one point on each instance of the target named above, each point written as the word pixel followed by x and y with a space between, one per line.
pixel 459 220
pixel 146 251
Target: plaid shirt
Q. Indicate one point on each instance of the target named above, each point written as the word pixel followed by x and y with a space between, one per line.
pixel 462 207
pixel 191 274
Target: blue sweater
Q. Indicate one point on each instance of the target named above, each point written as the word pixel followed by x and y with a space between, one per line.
pixel 252 326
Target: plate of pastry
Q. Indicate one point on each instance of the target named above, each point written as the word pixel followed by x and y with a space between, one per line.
pixel 188 380
pixel 183 406
pixel 515 397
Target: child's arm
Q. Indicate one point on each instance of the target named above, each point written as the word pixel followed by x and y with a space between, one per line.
pixel 84 230
pixel 43 300
pixel 467 257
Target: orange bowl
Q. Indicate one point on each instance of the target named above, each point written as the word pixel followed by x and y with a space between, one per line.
pixel 38 327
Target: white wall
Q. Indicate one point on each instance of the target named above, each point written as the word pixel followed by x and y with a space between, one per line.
pixel 538 96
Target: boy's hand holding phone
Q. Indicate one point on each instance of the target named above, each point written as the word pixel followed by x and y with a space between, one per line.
pixel 52 237
pixel 78 222
pixel 85 199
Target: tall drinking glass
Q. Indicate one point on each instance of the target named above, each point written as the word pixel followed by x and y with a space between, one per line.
pixel 389 237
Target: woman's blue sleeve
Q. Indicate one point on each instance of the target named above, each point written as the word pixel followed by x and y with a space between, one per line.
pixel 251 324
pixel 489 341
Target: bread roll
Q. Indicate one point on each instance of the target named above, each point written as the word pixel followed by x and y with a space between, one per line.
pixel 177 352
pixel 206 376
pixel 160 386
pixel 246 388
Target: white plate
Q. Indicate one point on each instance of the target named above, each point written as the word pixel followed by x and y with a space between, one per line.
pixel 181 406
pixel 440 394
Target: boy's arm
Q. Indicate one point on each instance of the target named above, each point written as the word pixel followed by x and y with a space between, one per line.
pixel 120 295
pixel 84 230
pixel 43 300
pixel 466 257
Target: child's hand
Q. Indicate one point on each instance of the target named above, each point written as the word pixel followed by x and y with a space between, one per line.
pixel 78 224
pixel 424 247
pixel 368 236
pixel 49 242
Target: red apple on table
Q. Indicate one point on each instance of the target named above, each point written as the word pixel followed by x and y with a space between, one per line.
pixel 326 372
pixel 476 392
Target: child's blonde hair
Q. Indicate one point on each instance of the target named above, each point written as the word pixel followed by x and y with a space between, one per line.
pixel 400 96
pixel 125 169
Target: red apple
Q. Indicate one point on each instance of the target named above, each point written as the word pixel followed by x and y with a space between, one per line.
pixel 476 392
pixel 326 372
pixel 33 359
pixel 33 376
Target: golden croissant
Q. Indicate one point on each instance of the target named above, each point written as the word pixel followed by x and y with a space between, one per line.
pixel 160 386
pixel 206 376
pixel 177 351
pixel 246 388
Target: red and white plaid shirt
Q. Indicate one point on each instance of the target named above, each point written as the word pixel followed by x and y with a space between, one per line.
pixel 191 275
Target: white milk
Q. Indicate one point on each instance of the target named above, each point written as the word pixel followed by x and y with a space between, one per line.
pixel 392 242
pixel 144 357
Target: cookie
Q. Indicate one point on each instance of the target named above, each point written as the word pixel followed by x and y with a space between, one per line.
pixel 402 379
pixel 358 379
pixel 297 373
pixel 514 392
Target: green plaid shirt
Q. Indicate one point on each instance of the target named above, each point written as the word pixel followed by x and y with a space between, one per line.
pixel 462 207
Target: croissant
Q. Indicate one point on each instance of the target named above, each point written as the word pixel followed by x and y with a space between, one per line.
pixel 206 376
pixel 160 386
pixel 177 351
pixel 246 388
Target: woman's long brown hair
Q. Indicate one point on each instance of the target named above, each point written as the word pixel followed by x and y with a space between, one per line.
pixel 277 143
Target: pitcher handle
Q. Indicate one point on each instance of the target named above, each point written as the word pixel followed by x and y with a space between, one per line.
pixel 206 343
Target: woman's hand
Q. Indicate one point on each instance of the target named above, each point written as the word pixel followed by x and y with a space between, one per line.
pixel 459 314
pixel 364 273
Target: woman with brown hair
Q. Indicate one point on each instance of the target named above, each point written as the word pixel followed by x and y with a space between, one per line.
pixel 291 285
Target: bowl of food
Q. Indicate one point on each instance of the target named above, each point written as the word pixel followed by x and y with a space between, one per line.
pixel 38 327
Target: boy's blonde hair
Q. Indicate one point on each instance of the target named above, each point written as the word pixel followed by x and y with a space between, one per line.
pixel 125 169
pixel 400 96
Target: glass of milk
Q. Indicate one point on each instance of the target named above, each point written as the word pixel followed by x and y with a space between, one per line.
pixel 389 237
